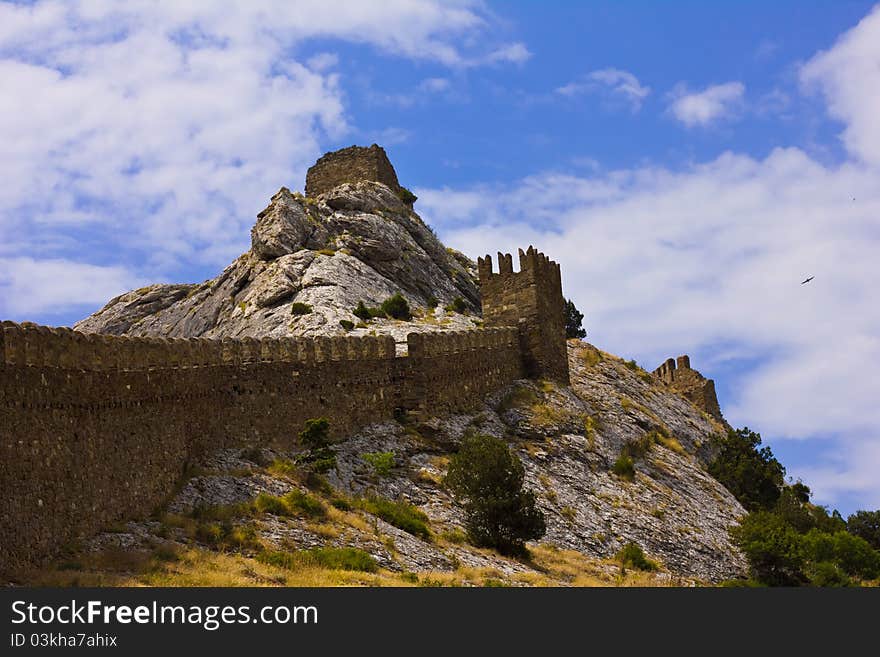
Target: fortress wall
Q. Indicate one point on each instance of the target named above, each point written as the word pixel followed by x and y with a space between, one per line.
pixel 95 428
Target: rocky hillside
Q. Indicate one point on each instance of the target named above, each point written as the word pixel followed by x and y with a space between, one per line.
pixel 568 440
pixel 311 261
pixel 356 242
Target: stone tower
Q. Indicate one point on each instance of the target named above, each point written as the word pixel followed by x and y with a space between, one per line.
pixel 531 300
pixel 352 164
pixel 678 376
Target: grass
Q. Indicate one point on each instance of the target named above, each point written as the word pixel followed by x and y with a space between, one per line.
pixel 590 356
pixel 295 503
pixel 400 514
pixel 624 468
pixel 331 558
pixel 327 252
pixel 592 424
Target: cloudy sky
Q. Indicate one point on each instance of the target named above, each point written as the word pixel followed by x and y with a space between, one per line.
pixel 687 163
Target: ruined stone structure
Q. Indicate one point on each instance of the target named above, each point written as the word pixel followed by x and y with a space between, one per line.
pixel 531 300
pixel 352 164
pixel 691 384
pixel 97 428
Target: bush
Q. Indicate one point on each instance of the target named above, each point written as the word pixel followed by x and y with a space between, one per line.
pixel 487 479
pixel 406 196
pixel 631 365
pixel 400 514
pixel 632 556
pixel 299 308
pixel 397 306
pixel 772 547
pixel 432 302
pixel 457 306
pixel 346 324
pixel 827 574
pixel 748 471
pixel 573 321
pixel 362 312
pixel 382 462
pixel 866 524
pixel 624 468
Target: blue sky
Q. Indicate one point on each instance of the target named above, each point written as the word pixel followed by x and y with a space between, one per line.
pixel 688 163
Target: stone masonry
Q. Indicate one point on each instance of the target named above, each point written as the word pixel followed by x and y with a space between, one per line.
pixel 691 384
pixel 349 165
pixel 532 301
pixel 97 428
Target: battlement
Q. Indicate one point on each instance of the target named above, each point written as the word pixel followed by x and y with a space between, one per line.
pixel 349 165
pixel 678 376
pixel 530 300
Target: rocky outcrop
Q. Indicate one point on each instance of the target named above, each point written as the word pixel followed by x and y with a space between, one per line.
pixel 356 242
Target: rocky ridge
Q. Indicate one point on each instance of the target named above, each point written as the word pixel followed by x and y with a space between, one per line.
pixel 356 242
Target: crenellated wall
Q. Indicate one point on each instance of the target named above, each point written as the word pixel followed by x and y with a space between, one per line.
pixel 97 428
pixel 678 375
pixel 531 300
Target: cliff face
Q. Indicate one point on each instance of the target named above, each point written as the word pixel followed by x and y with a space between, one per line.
pixel 357 242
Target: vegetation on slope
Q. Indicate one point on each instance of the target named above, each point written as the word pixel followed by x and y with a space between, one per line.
pixel 787 540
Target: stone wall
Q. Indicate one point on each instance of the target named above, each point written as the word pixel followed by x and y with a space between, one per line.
pixel 532 301
pixel 98 428
pixel 678 375
pixel 352 164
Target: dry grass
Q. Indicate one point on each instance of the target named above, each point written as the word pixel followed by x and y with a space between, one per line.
pixel 589 355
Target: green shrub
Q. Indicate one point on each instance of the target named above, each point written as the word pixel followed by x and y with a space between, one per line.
pixel 632 556
pixel 316 438
pixel 574 321
pixel 827 574
pixel 304 504
pixel 362 312
pixel 406 196
pixel 341 503
pixel 346 324
pixel 867 525
pixel 299 308
pixel 432 302
pixel 487 479
pixel 397 306
pixel 326 557
pixel 749 471
pixel 382 462
pixel 772 547
pixel 624 467
pixel 400 514
pixel 457 306
pixel 631 365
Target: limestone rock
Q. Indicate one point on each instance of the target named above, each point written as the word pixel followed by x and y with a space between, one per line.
pixel 355 242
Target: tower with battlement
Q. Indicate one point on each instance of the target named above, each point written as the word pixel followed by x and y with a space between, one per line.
pixel 677 374
pixel 351 165
pixel 531 300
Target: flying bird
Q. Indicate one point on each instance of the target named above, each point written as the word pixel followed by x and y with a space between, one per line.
pixel 808 280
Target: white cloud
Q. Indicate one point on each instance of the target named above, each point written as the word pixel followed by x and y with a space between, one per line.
pixel 849 77
pixel 514 53
pixel 701 108
pixel 29 286
pixel 323 61
pixel 164 127
pixel 708 261
pixel 613 82
pixel 434 85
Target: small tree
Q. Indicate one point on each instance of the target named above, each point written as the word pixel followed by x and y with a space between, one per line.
pixel 749 471
pixel 487 479
pixel 316 438
pixel 574 321
pixel 867 525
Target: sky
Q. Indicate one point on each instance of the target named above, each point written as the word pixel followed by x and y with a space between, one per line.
pixel 687 163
